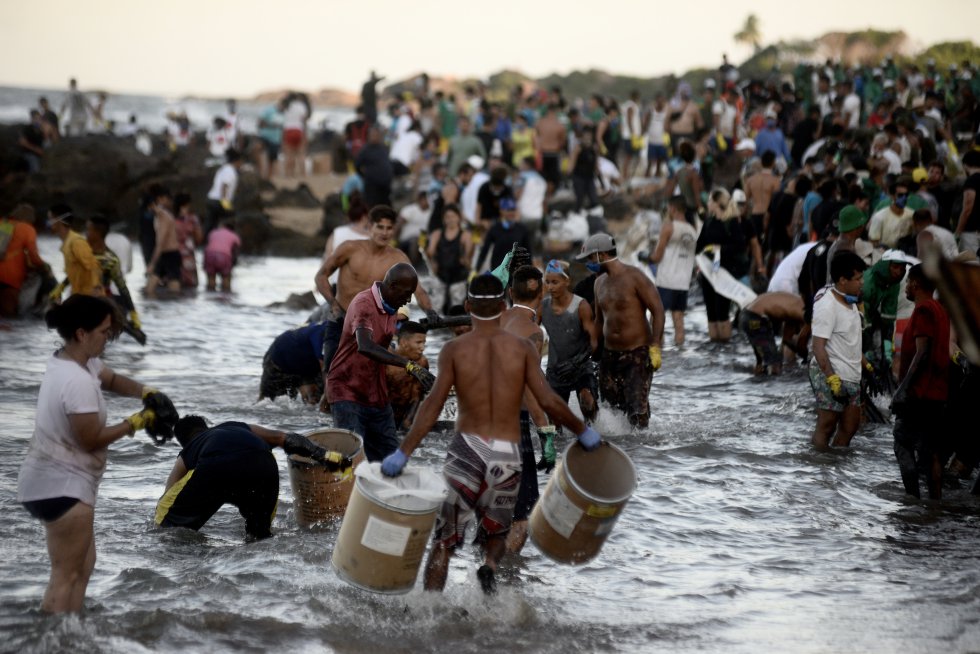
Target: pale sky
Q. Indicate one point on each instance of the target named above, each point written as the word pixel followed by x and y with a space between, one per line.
pixel 240 47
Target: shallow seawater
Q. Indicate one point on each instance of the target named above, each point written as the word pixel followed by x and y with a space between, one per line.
pixel 739 537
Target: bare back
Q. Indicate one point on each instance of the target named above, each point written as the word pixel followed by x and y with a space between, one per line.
pixel 622 300
pixel 365 264
pixel 778 305
pixel 165 228
pixel 551 134
pixel 761 187
pixel 489 368
pixel 517 321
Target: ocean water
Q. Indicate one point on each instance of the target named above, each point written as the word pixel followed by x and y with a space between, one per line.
pixel 151 110
pixel 739 537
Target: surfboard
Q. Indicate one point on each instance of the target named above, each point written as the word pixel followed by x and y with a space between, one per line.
pixel 724 283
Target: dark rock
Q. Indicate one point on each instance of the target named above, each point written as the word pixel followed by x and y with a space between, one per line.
pixel 297 302
pixel 301 197
pixel 333 214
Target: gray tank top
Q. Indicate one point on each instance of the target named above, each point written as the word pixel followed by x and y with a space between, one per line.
pixel 566 337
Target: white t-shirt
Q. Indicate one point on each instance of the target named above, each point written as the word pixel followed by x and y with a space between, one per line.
pixel 945 240
pixel 630 124
pixel 726 118
pixel 840 324
pixel 533 190
pixel 894 161
pixel 887 227
pixel 218 142
pixel 467 198
pixel 295 116
pixel 655 130
pixel 121 245
pixel 406 148
pixel 852 107
pixel 786 278
pixel 416 219
pixel 224 175
pixel 56 464
pixel 677 266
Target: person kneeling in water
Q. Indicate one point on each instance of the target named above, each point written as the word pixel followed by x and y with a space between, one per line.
pixel 230 463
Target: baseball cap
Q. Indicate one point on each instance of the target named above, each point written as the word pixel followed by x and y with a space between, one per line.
pixel 507 204
pixel 738 196
pixel 920 175
pixel 596 243
pixel 851 217
pixel 476 161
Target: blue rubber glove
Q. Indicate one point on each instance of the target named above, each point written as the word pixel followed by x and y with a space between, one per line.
pixel 394 463
pixel 589 439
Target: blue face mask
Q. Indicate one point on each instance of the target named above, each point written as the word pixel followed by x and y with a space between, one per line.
pixel 390 310
pixel 593 266
pixel 850 299
pixel 506 224
pixel 901 200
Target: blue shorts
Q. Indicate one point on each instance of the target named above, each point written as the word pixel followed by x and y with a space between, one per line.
pixel 656 152
pixel 673 300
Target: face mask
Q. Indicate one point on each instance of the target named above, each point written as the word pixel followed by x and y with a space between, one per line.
pixel 850 299
pixel 390 310
pixel 506 224
pixel 901 200
pixel 593 266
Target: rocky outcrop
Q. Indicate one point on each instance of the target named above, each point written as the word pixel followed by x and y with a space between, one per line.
pixel 106 174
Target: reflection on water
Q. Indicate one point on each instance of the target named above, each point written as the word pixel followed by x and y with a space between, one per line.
pixel 738 534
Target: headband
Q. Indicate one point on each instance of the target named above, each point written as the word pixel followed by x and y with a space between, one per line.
pixel 554 266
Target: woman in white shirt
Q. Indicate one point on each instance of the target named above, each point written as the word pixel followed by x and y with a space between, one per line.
pixel 60 476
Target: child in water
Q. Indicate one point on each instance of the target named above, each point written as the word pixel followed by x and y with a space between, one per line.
pixel 221 255
pixel 403 390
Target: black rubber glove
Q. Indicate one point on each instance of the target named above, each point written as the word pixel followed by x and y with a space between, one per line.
pixel 301 445
pixel 425 378
pixel 162 428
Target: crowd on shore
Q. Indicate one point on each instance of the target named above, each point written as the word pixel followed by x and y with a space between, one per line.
pixel 843 179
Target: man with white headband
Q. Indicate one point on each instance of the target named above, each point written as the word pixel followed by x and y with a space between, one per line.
pixel 631 352
pixel 490 369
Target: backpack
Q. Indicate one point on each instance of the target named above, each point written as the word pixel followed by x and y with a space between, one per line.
pixel 6 234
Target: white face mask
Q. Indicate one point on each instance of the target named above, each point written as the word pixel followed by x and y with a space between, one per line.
pixel 493 317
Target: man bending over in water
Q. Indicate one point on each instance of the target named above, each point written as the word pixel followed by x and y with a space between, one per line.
pixel 763 318
pixel 490 369
pixel 631 352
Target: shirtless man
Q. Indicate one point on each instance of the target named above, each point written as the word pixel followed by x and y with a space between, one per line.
pixel 521 319
pixel 763 318
pixel 361 263
pixel 490 369
pixel 550 138
pixel 759 189
pixel 631 352
pixel 164 265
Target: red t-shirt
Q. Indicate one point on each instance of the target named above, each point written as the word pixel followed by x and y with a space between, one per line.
pixel 353 377
pixel 931 383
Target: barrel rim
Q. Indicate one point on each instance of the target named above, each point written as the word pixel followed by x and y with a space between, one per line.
pixel 584 493
pixel 360 485
pixel 302 462
pixel 356 584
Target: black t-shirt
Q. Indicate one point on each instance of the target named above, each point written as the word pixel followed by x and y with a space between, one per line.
pixel 585 289
pixel 585 163
pixel 502 240
pixel 222 440
pixel 489 200
pixel 33 135
pixel 733 236
pixel 298 351
pixel 972 183
pixel 374 165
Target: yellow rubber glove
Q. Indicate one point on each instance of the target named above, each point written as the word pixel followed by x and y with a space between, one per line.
pixel 722 143
pixel 142 420
pixel 56 292
pixel 835 384
pixel 226 205
pixel 636 142
pixel 134 319
pixel 867 366
pixel 655 360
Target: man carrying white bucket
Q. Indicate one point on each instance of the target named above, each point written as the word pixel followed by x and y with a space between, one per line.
pixel 490 369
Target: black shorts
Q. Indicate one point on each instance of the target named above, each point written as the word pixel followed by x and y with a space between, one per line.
pixel 271 149
pixel 248 480
pixel 551 167
pixel 168 266
pixel 527 495
pixel 718 307
pixel 673 300
pixel 50 509
pixel 624 382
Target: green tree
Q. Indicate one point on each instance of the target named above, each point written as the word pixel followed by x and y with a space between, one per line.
pixel 750 34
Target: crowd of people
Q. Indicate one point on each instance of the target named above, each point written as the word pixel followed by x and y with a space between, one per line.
pixel 843 179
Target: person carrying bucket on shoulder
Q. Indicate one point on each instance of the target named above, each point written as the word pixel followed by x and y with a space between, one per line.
pixel 490 369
